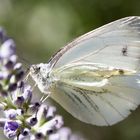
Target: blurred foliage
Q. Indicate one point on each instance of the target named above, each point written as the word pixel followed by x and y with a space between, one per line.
pixel 41 27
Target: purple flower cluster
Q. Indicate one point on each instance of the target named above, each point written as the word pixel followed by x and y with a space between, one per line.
pixel 25 119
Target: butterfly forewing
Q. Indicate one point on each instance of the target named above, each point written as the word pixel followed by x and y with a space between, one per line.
pixel 99 44
pixel 97 75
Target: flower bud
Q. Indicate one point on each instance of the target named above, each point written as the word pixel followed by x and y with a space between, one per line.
pixel 11 113
pixel 7 49
pixel 50 112
pixel 32 121
pixel 12 87
pixel 19 101
pixel 10 129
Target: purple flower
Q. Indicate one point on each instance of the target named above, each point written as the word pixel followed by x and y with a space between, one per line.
pixel 50 112
pixel 31 121
pixel 11 113
pixel 7 49
pixel 12 87
pixel 51 126
pixel 25 135
pixel 59 121
pixel 34 106
pixel 11 125
pixel 62 134
pixel 9 62
pixel 19 75
pixel 10 129
pixel 18 66
pixel 27 93
pixel 20 111
pixel 37 136
pixel 25 132
pixel 19 101
pixel 20 85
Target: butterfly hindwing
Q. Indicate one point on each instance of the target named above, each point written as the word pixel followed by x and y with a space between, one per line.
pixel 96 95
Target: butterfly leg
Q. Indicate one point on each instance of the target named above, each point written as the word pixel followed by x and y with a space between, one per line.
pixel 45 97
pixel 27 76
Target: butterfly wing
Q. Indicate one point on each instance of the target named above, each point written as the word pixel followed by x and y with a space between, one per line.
pixel 97 75
pixel 107 45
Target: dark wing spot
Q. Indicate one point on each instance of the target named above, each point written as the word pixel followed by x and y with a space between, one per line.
pixel 124 51
pixel 121 71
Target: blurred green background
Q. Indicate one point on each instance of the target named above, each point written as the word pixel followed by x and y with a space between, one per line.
pixel 41 27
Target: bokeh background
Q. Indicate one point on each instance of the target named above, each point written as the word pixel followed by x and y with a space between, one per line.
pixel 41 27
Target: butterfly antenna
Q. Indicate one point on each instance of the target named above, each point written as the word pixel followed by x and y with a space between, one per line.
pixel 23 59
pixel 27 73
pixel 27 65
pixel 26 61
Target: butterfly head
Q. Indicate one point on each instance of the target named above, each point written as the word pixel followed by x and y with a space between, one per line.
pixel 40 74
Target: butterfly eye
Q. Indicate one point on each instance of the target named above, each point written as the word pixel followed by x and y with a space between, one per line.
pixel 47 76
pixel 37 69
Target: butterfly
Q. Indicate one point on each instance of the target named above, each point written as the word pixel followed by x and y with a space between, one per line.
pixel 96 77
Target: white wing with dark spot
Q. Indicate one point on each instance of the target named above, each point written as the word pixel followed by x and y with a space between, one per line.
pixel 105 45
pixel 96 77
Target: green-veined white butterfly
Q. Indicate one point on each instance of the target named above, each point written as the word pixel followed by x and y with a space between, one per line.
pixel 96 77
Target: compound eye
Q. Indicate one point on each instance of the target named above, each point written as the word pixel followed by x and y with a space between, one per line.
pixel 37 69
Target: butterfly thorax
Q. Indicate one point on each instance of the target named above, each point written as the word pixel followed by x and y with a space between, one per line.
pixel 41 75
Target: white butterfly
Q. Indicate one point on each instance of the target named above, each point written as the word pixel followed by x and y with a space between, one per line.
pixel 96 77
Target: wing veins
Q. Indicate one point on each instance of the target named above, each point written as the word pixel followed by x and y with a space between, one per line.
pixel 92 103
pixel 121 97
pixel 92 34
pixel 93 53
pixel 111 105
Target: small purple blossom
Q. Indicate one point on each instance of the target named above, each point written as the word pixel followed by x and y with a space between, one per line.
pixel 27 93
pixel 10 129
pixel 50 112
pixel 11 125
pixel 37 136
pixel 32 121
pixel 11 113
pixel 18 66
pixel 59 121
pixel 25 135
pixel 12 87
pixel 25 132
pixel 19 75
pixel 34 106
pixel 19 101
pixel 19 111
pixel 7 49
